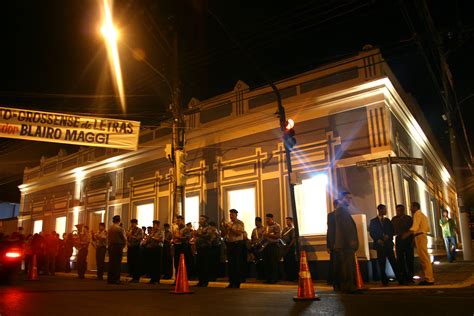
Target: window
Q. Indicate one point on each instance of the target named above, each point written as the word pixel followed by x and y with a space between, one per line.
pixel 38 226
pixel 312 205
pixel 145 214
pixel 244 202
pixel 60 226
pixel 191 212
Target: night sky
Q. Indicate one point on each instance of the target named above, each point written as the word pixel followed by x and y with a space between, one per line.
pixel 54 59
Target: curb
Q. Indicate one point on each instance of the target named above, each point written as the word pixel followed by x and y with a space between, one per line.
pixel 318 287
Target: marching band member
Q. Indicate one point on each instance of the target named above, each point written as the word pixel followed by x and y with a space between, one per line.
pixel 134 237
pixel 167 257
pixel 271 254
pixel 100 241
pixel 234 234
pixel 203 245
pixel 154 249
pixel 82 246
pixel 289 238
pixel 116 241
pixel 181 237
pixel 215 251
pixel 256 240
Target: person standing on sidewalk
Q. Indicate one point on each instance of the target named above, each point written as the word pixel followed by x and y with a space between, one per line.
pixel 215 251
pixel 167 257
pixel 100 240
pixel 154 248
pixel 404 246
pixel 82 245
pixel 256 239
pixel 134 237
pixel 203 246
pixel 116 240
pixel 271 253
pixel 330 240
pixel 381 231
pixel 345 245
pixel 449 229
pixel 181 237
pixel 289 259
pixel 233 232
pixel 51 252
pixel 419 229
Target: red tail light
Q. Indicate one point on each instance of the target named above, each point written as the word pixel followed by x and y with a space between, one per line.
pixel 13 254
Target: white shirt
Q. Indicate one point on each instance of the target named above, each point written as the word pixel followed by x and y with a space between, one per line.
pixel 420 223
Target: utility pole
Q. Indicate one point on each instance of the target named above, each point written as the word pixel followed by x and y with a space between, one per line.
pixel 450 106
pixel 177 129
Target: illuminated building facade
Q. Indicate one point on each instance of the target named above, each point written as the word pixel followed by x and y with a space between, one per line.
pixel 346 112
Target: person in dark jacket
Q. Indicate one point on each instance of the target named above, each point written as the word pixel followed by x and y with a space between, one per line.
pixel 381 231
pixel 68 250
pixel 116 241
pixel 346 243
pixel 51 252
pixel 330 240
pixel 404 244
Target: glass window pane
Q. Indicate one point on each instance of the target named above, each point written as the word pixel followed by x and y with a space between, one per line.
pixel 145 214
pixel 311 204
pixel 192 210
pixel 38 226
pixel 60 226
pixel 244 202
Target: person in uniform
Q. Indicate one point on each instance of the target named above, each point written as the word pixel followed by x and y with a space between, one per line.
pixel 345 245
pixel 51 252
pixel 181 237
pixel 381 231
pixel 215 251
pixel 420 229
pixel 233 232
pixel 82 246
pixel 256 240
pixel 203 246
pixel 100 241
pixel 190 234
pixel 403 244
pixel 289 239
pixel 116 241
pixel 154 250
pixel 167 258
pixel 271 252
pixel 134 237
pixel 330 240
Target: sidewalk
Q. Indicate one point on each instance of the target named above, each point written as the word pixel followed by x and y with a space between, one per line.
pixel 447 275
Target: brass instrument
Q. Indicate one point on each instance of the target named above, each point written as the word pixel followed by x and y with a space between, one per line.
pixel 263 243
pixel 225 227
pixel 145 239
pixel 260 246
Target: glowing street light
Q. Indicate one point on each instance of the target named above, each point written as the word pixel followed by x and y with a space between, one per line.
pixel 110 35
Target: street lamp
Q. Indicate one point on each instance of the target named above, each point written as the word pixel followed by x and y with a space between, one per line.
pixel 110 34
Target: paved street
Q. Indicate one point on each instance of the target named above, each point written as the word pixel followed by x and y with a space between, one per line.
pixel 67 296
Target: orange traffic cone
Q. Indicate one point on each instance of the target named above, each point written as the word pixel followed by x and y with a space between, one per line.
pixel 359 280
pixel 33 270
pixel 305 283
pixel 182 285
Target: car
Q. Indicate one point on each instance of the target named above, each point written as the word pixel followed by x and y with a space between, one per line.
pixel 11 256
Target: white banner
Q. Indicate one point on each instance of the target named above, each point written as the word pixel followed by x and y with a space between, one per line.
pixel 68 129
